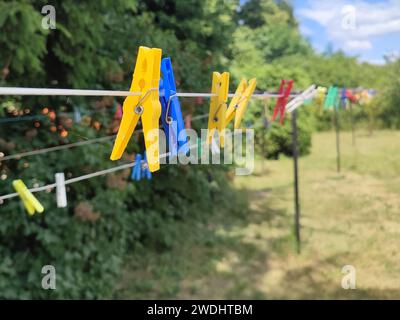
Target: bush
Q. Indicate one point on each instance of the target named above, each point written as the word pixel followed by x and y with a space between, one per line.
pixel 88 241
pixel 273 139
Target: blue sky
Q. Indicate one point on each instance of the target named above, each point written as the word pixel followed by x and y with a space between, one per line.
pixel 368 29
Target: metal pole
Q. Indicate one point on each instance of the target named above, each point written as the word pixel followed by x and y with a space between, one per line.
pixel 263 149
pixel 264 132
pixel 337 127
pixel 296 181
pixel 353 133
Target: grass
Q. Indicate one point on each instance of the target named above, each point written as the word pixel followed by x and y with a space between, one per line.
pixel 347 219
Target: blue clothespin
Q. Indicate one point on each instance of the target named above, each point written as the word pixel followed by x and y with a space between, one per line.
pixel 137 168
pixel 171 114
pixel 343 97
pixel 145 169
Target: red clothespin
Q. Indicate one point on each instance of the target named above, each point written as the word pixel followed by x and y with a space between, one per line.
pixel 284 93
pixel 351 96
pixel 188 121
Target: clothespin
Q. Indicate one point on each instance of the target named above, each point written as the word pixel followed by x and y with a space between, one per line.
pixel 217 114
pixel 331 98
pixel 141 168
pixel 319 98
pixel 61 193
pixel 366 97
pixel 199 147
pixel 343 97
pixel 171 114
pixel 145 80
pixel 145 169
pixel 136 169
pixel 309 93
pixel 352 98
pixel 239 102
pixel 30 202
pixel 77 114
pixel 284 92
pixel 118 111
pixel 321 92
pixel 188 121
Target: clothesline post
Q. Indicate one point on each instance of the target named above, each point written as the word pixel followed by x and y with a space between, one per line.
pixel 337 129
pixel 296 181
pixel 353 131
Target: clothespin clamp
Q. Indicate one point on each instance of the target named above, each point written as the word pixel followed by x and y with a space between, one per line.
pixel 331 98
pixel 352 98
pixel 239 102
pixel 61 193
pixel 343 97
pixel 280 106
pixel 321 92
pixel 77 114
pixel 171 114
pixel 145 80
pixel 30 202
pixel 141 168
pixel 145 168
pixel 217 114
pixel 188 121
pixel 307 94
pixel 118 111
pixel 136 169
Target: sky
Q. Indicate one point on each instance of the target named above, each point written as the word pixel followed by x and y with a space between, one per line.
pixel 368 29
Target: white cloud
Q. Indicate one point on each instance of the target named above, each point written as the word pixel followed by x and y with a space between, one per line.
pixel 358 44
pixel 352 25
pixel 322 15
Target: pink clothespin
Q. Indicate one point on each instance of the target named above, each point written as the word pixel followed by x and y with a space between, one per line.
pixel 188 121
pixel 118 112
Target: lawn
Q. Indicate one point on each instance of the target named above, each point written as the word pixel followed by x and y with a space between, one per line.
pixel 350 218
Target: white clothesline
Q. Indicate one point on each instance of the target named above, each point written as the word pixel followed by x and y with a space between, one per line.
pixel 51 186
pixel 19 91
pixel 74 144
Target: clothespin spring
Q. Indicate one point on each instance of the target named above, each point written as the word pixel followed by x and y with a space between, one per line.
pixel 138 108
pixel 216 112
pixel 167 118
pixel 239 102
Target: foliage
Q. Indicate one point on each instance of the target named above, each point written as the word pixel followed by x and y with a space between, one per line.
pixel 106 217
pixel 386 106
pixel 94 46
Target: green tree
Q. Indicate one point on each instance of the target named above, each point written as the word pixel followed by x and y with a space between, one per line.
pixel 94 46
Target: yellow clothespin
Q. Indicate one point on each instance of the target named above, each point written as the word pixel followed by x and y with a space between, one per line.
pixel 145 80
pixel 29 200
pixel 239 102
pixel 216 117
pixel 320 97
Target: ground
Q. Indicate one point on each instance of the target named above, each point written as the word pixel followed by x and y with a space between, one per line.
pixel 351 218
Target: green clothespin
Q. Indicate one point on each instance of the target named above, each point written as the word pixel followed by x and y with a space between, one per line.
pixel 331 100
pixel 199 147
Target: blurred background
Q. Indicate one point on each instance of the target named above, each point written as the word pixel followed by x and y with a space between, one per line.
pixel 198 231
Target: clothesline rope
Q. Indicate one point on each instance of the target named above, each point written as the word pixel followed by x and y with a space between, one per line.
pixel 19 91
pixel 90 175
pixel 72 145
pixel 81 92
